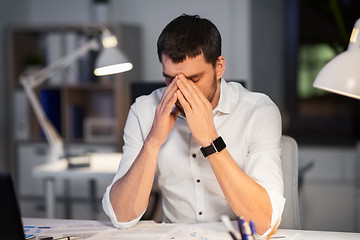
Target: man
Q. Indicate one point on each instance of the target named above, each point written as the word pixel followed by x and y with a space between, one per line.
pixel 213 146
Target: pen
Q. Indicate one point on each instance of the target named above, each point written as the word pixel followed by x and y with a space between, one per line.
pixel 247 231
pixel 232 235
pixel 226 220
pixel 243 227
pixel 66 238
pixel 239 220
pixel 253 230
pixel 252 227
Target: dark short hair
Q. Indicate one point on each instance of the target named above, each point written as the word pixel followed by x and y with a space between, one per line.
pixel 189 36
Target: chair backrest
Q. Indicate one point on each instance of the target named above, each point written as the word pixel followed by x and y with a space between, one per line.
pixel 289 161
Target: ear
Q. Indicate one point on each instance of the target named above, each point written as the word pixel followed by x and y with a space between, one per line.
pixel 220 67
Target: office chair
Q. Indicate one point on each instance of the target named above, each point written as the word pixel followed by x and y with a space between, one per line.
pixel 289 157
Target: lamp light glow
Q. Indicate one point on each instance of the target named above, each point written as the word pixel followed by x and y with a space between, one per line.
pixel 117 68
pixel 109 41
pixel 354 35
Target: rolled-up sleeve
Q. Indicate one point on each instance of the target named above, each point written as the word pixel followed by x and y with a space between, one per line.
pixel 108 209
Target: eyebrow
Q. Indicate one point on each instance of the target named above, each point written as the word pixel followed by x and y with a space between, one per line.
pixel 167 76
pixel 187 77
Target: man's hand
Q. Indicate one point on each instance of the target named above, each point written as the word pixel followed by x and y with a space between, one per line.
pixel 165 117
pixel 198 110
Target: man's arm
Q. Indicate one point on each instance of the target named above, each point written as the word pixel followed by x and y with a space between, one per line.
pixel 129 195
pixel 246 197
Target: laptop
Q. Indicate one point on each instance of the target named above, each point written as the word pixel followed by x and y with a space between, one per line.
pixel 11 227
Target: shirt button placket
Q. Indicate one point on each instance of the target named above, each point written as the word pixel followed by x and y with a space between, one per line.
pixel 196 174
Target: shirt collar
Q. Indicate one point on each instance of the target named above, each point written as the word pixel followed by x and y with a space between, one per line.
pixel 223 105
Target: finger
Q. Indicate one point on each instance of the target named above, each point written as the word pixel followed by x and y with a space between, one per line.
pixel 199 93
pixel 169 93
pixel 184 83
pixel 168 104
pixel 184 103
pixel 171 88
pixel 187 91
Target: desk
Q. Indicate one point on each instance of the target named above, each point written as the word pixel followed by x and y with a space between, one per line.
pixel 103 166
pixel 100 230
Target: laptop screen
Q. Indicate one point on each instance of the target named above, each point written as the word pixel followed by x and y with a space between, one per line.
pixel 11 227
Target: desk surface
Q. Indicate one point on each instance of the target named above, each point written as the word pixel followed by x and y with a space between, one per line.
pixel 99 230
pixel 102 165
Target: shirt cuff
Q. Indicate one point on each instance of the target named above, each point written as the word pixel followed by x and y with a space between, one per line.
pixel 277 204
pixel 108 209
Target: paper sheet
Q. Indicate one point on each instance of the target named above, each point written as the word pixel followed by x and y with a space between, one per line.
pixel 81 231
pixel 146 231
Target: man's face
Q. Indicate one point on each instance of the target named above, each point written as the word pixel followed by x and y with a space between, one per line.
pixel 197 70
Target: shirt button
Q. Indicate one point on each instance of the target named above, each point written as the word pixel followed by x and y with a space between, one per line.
pixel 194 155
pixel 198 180
pixel 200 213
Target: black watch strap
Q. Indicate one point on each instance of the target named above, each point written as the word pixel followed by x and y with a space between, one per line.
pixel 216 146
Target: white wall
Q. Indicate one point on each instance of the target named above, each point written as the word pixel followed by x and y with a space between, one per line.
pixel 230 16
pixel 64 11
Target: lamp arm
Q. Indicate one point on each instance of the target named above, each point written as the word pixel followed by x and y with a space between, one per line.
pixel 52 136
pixel 29 82
pixel 40 76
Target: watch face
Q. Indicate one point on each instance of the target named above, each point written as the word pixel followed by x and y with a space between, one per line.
pixel 219 144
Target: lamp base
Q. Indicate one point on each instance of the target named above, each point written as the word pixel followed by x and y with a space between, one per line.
pixel 78 161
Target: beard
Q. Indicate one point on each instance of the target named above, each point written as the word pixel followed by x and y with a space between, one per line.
pixel 209 97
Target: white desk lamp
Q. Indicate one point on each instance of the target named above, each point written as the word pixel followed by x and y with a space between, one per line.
pixel 109 61
pixel 342 74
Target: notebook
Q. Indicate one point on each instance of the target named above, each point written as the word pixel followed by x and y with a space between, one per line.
pixel 11 227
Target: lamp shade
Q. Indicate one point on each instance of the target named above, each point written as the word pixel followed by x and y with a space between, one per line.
pixel 111 60
pixel 342 74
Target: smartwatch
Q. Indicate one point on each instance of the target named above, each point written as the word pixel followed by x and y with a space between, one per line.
pixel 216 146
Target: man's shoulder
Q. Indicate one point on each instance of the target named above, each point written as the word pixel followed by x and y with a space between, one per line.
pixel 242 95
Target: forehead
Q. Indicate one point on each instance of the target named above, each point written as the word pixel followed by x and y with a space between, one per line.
pixel 188 67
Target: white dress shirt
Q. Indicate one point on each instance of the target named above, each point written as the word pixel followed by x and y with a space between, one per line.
pixel 250 125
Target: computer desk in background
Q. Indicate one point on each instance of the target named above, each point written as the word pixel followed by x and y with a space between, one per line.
pixel 102 167
pixel 101 230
